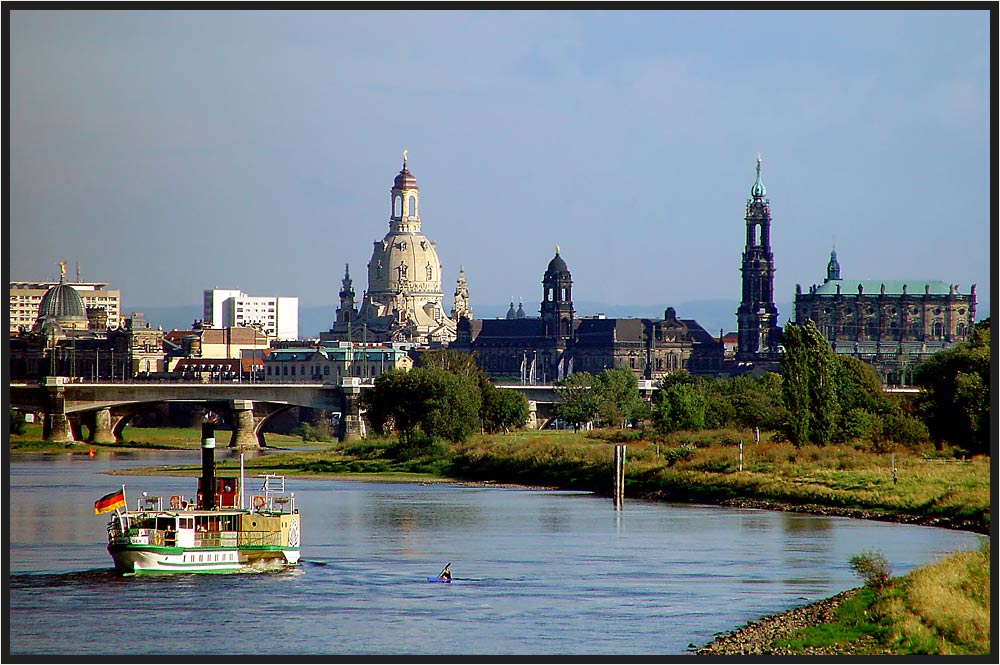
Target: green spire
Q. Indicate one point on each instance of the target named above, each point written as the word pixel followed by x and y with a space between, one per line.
pixel 758 191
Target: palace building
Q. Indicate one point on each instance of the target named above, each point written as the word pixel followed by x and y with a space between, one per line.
pixel 891 324
pixel 558 342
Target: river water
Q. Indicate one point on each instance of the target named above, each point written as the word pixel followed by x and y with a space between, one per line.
pixel 536 572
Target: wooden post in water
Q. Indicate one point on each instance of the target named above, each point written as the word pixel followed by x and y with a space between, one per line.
pixel 618 487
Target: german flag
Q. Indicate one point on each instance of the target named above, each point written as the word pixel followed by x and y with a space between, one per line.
pixel 110 502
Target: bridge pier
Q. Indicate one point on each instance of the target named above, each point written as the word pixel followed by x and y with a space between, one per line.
pixel 351 426
pixel 244 433
pixel 99 423
pixel 56 427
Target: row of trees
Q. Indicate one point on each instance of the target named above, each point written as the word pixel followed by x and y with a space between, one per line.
pixel 820 397
pixel 446 397
pixel 955 402
pixel 830 398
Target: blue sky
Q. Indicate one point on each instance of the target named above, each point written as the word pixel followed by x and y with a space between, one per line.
pixel 172 151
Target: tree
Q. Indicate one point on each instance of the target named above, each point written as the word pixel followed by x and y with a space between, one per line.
pixel 617 396
pixel 808 384
pixel 430 399
pixel 678 406
pixel 955 403
pixel 579 402
pixel 502 409
pixel 456 362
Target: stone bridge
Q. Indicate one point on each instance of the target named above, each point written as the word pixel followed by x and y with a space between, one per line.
pixel 106 408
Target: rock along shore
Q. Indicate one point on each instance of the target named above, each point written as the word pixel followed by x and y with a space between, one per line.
pixel 757 638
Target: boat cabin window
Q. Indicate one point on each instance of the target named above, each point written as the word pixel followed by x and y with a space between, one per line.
pixel 164 523
pixel 186 522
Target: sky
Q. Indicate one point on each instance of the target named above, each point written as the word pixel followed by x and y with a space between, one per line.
pixel 169 152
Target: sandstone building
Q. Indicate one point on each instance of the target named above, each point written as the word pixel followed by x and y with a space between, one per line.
pixel 890 324
pixel 403 301
pixel 558 342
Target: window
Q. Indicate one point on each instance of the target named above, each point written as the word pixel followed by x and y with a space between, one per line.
pixel 326 369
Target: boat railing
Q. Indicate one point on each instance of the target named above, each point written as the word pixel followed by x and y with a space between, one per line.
pixel 273 498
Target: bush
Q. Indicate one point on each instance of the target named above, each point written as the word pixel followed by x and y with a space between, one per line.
pixel 872 567
pixel 681 453
pixel 16 422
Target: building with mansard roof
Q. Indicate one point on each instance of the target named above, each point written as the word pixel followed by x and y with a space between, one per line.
pixel 558 343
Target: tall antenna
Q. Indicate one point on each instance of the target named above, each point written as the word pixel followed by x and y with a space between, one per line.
pixel 78 279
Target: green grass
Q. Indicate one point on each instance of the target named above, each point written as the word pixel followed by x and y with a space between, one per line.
pixel 939 609
pixel 151 438
pixel 685 466
pixel 852 622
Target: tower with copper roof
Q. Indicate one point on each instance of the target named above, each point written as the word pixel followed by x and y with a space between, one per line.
pixel 757 316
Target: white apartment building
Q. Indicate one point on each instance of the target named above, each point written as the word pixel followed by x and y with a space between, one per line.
pixel 25 297
pixel 278 316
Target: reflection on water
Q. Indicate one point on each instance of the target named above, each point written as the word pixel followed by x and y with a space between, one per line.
pixel 535 572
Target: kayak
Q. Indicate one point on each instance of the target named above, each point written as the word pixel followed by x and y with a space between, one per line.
pixel 446 580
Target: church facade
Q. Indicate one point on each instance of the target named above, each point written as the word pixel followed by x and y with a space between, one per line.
pixel 892 325
pixel 403 301
pixel 558 343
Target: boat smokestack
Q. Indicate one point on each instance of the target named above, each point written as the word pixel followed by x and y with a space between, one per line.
pixel 208 463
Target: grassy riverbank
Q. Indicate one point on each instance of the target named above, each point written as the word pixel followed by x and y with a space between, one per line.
pixel 939 609
pixel 142 438
pixel 930 487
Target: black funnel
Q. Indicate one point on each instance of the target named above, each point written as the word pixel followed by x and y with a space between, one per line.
pixel 208 465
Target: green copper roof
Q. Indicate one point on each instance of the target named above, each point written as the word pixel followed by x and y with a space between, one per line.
pixel 914 287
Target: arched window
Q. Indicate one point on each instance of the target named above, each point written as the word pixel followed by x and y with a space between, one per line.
pixel 960 330
pixel 397 206
pixel 937 330
pixel 412 206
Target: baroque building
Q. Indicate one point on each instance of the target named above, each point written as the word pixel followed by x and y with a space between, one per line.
pixel 557 343
pixel 67 340
pixel 892 325
pixel 403 301
pixel 757 316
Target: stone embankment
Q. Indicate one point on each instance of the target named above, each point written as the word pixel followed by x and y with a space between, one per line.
pixel 763 638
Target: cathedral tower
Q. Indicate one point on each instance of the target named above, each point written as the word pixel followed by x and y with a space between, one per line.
pixel 832 268
pixel 757 317
pixel 557 301
pixel 346 313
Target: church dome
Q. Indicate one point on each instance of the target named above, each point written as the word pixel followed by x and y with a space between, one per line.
pixel 61 309
pixel 404 179
pixel 62 303
pixel 557 264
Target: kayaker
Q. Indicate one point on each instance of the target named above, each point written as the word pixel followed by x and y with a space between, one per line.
pixel 446 573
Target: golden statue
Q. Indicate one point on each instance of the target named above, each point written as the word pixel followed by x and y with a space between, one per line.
pixel 62 271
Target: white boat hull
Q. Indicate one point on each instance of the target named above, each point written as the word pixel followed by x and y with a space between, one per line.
pixel 138 561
